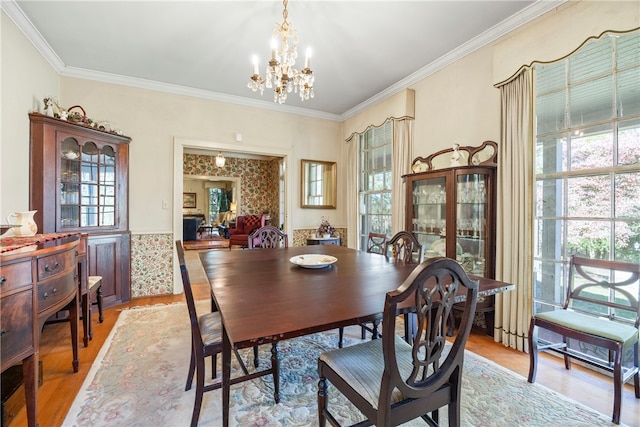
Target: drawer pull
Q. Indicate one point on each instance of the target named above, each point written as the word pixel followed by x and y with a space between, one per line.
pixel 55 291
pixel 50 269
pixel 3 332
pixel 2 280
pixel 45 295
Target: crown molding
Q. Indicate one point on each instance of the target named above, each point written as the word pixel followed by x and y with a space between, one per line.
pixel 139 83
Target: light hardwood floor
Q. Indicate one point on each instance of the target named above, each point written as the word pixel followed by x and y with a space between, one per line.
pixel 60 385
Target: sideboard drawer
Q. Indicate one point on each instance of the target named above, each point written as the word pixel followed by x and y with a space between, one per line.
pixel 56 290
pixel 56 264
pixel 16 336
pixel 14 276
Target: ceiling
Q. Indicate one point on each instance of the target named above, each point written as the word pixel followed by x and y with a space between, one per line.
pixel 363 51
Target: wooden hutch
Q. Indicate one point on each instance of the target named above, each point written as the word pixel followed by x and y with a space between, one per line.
pixel 79 182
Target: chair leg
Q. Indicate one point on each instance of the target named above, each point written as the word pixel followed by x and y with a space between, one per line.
pixel 99 300
pixel 275 367
pixel 636 376
pixel 197 405
pixel 256 360
pixel 192 368
pixel 363 332
pixel 322 401
pixel 533 351
pixel 617 385
pixel 340 336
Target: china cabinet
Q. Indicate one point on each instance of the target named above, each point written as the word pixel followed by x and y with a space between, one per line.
pixel 451 209
pixel 79 183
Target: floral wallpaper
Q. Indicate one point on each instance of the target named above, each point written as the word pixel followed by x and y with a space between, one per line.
pixel 300 236
pixel 151 264
pixel 259 180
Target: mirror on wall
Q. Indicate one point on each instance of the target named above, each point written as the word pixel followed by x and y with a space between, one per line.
pixel 318 184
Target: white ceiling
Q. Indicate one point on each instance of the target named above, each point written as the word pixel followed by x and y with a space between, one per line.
pixel 363 51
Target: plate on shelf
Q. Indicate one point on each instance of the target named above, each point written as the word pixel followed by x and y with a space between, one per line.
pixel 440 246
pixel 313 260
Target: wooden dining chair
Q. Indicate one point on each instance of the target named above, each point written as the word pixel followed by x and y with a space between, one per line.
pixel 206 340
pixel 391 381
pixel 376 243
pixel 404 246
pixel 267 237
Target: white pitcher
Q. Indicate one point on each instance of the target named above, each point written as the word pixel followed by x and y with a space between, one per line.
pixel 28 226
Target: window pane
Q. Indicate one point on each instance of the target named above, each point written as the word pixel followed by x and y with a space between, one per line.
pixel 591 102
pixel 592 60
pixel 549 198
pixel 549 239
pixel 629 92
pixel 592 148
pixel 628 146
pixel 551 154
pixel 627 241
pixel 627 193
pixel 551 77
pixel 589 238
pixel 627 52
pixel 589 197
pixel 549 281
pixel 550 112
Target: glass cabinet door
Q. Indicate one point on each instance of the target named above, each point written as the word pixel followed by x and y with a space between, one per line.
pixel 70 183
pixel 471 222
pixel 429 220
pixel 87 185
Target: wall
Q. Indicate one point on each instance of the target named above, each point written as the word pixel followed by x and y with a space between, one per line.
pixel 26 79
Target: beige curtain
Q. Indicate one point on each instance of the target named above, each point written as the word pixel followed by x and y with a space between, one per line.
pixel 402 143
pixel 515 212
pixel 352 191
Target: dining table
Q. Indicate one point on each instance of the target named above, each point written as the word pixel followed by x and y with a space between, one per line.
pixel 268 295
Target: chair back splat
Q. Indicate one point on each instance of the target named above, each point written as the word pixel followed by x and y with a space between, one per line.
pixel 391 381
pixel 268 237
pixel 404 246
pixel 377 243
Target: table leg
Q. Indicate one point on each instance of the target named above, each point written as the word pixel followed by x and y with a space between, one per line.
pixel 275 368
pixel 30 376
pixel 226 376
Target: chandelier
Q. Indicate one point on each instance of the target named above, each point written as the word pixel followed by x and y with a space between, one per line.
pixel 220 160
pixel 280 74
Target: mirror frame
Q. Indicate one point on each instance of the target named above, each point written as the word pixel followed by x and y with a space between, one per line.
pixel 329 188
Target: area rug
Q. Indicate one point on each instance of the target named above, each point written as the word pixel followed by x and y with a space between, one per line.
pixel 139 376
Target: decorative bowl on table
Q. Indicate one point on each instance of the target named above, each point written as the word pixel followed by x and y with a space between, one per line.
pixel 313 260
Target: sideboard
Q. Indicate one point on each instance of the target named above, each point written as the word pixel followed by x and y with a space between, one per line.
pixel 36 280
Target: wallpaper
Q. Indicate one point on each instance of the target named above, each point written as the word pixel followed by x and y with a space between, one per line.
pixel 151 264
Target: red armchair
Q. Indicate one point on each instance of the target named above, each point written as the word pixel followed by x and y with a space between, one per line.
pixel 245 225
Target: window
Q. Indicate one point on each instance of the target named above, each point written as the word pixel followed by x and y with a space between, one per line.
pixel 219 202
pixel 587 162
pixel 374 184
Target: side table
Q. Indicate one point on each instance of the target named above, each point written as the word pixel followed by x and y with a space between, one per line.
pixel 323 241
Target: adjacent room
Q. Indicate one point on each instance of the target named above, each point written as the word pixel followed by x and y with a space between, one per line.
pixel 368 213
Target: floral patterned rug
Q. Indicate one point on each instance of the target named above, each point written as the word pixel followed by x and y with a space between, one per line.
pixel 139 376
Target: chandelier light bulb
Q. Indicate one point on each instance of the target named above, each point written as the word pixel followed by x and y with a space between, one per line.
pixel 281 74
